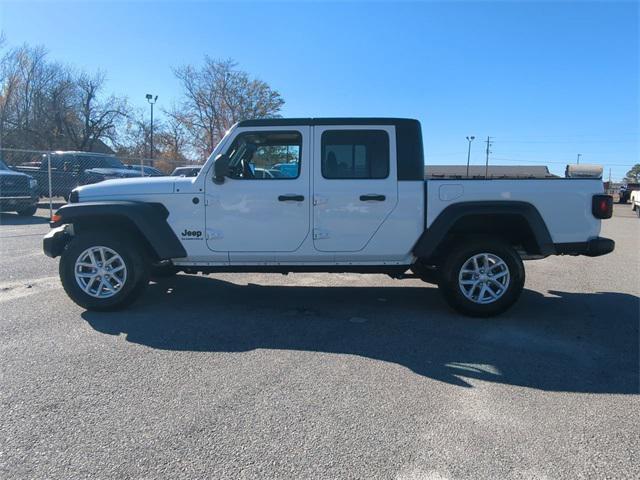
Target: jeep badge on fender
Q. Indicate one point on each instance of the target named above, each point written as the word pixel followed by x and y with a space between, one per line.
pixel 191 234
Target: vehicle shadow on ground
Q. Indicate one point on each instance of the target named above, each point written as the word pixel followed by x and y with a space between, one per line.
pixel 572 342
pixel 7 218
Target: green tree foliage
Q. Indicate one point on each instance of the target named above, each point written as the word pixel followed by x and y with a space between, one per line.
pixel 633 175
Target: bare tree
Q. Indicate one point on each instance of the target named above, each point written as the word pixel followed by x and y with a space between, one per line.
pixel 46 104
pixel 217 95
pixel 134 136
pixel 173 136
pixel 94 118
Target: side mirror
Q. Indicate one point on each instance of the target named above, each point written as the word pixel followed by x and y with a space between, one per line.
pixel 220 168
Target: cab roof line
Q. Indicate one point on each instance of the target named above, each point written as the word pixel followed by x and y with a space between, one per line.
pixel 265 122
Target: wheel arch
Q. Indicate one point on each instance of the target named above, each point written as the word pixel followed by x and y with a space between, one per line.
pixel 147 222
pixel 519 223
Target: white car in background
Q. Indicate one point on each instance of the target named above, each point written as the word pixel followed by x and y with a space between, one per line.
pixel 635 201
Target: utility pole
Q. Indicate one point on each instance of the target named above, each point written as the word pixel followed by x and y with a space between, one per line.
pixel 579 155
pixel 486 168
pixel 469 139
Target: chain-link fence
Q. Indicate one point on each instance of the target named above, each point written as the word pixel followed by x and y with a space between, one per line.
pixel 50 176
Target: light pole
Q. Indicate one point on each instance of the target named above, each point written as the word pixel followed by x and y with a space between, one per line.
pixel 152 100
pixel 579 155
pixel 469 139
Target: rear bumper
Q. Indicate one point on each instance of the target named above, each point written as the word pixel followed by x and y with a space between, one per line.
pixel 54 242
pixel 591 248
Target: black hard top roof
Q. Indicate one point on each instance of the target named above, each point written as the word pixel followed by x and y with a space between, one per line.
pixel 267 122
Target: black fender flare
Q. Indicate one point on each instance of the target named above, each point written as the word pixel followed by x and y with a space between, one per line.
pixel 149 218
pixel 433 236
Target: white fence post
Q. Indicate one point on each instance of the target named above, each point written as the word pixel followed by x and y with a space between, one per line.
pixel 50 187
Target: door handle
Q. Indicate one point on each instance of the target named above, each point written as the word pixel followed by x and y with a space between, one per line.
pixel 291 198
pixel 373 196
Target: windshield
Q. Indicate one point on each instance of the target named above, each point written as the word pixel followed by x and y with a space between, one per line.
pixel 109 162
pixel 3 166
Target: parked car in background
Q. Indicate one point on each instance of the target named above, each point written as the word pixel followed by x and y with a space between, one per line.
pixel 625 191
pixel 288 170
pixel 266 173
pixel 18 192
pixel 72 169
pixel 635 201
pixel 186 171
pixel 147 171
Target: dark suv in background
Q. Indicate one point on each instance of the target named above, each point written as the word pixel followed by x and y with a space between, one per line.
pixel 71 169
pixel 625 191
pixel 18 192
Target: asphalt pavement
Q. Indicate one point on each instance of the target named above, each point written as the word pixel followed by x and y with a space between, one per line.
pixel 321 375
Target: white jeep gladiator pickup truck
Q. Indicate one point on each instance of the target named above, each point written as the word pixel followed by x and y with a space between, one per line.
pixel 323 195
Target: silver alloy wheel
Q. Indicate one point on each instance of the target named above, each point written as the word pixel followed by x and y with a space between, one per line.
pixel 484 278
pixel 100 272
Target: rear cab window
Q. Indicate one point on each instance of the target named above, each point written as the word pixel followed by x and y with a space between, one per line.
pixel 355 154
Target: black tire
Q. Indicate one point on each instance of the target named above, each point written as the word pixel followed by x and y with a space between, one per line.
pixel 137 268
pixel 458 256
pixel 28 211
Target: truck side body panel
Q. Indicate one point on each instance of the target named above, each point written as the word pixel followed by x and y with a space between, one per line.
pixel 564 204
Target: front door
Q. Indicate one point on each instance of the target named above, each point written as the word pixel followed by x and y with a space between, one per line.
pixel 355 185
pixel 264 205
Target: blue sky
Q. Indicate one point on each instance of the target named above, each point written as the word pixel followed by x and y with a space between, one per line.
pixel 548 80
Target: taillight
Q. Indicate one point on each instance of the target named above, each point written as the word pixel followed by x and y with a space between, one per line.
pixel 602 206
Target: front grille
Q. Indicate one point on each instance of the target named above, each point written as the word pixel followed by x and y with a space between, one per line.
pixel 14 186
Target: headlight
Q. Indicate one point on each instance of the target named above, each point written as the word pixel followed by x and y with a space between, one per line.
pixel 33 183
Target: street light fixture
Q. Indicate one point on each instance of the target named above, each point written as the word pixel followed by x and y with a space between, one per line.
pixel 469 139
pixel 152 100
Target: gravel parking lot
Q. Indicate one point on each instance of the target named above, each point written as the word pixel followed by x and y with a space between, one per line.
pixel 321 376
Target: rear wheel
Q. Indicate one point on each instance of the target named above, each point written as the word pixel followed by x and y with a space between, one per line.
pixel 482 278
pixel 101 271
pixel 28 211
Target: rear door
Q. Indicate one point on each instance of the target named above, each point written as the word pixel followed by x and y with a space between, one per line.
pixel 355 184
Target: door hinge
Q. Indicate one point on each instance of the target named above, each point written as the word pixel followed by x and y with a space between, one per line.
pixel 320 234
pixel 319 200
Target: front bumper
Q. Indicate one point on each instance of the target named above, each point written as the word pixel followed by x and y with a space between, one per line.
pixel 594 247
pixel 17 202
pixel 54 242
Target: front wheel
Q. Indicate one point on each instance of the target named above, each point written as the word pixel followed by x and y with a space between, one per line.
pixel 101 271
pixel 482 278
